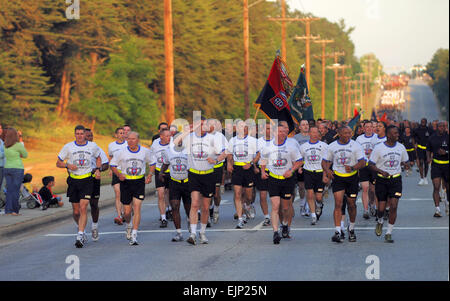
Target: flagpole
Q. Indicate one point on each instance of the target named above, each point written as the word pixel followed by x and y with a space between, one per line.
pixel 256 113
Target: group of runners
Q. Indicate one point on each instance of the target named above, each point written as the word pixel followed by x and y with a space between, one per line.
pixel 191 166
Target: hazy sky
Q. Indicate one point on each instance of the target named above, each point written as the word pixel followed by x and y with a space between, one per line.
pixel 399 32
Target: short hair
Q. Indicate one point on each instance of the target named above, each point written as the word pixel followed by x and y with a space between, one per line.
pixel 161 124
pixel 47 180
pixel 390 128
pixel 313 127
pixel 80 127
pixel 118 129
pixel 162 131
pixel 87 130
pixel 126 125
pixel 384 124
pixel 133 133
pixel 27 178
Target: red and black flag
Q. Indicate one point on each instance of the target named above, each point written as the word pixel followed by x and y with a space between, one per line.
pixel 273 99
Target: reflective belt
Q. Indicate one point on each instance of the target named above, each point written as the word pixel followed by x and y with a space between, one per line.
pixel 180 181
pixel 86 175
pixel 346 175
pixel 259 166
pixel 133 177
pixel 319 170
pixel 159 169
pixel 241 163
pixel 201 172
pixel 410 149
pixel 421 146
pixel 218 165
pixel 440 161
pixel 390 177
pixel 276 176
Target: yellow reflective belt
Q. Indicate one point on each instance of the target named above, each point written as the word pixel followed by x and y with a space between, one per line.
pixel 180 181
pixel 345 175
pixel 319 170
pixel 133 177
pixel 259 166
pixel 440 161
pixel 86 175
pixel 390 177
pixel 241 163
pixel 201 172
pixel 410 149
pixel 218 165
pixel 421 146
pixel 159 169
pixel 276 176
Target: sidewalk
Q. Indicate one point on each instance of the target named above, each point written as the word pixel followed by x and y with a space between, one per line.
pixel 12 227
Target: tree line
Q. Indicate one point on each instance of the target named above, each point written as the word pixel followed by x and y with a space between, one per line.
pixel 107 68
pixel 437 68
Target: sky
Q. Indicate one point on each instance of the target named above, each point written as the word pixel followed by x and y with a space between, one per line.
pixel 401 33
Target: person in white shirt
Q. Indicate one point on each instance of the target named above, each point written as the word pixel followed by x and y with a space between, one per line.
pixel 347 157
pixel 282 158
pixel 386 160
pixel 132 163
pixel 78 156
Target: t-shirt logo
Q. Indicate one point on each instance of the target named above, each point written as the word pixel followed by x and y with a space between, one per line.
pixel 82 160
pixel 279 161
pixel 133 170
pixel 314 157
pixel 342 158
pixel 367 149
pixel 240 151
pixel 160 159
pixel 179 167
pixel 391 162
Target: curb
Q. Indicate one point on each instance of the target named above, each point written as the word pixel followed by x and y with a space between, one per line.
pixel 21 229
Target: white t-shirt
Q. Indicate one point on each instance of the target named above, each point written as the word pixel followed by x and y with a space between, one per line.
pixel 132 163
pixel 199 149
pixel 344 154
pixel 366 143
pixel 103 157
pixel 280 158
pixel 80 155
pixel 243 149
pixel 262 143
pixel 113 147
pixel 157 149
pixel 377 140
pixel 388 158
pixel 177 161
pixel 312 154
pixel 221 140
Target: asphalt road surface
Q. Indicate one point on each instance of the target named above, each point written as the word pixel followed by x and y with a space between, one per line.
pixel 423 103
pixel 420 251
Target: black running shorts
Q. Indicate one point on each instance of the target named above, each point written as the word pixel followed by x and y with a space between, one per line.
pixel 313 180
pixel 178 191
pixel 79 189
pixel 388 188
pixel 115 180
pixel 282 188
pixel 218 175
pixel 367 175
pixel 412 156
pixel 164 183
pixel 349 184
pixel 300 176
pixel 130 189
pixel 96 189
pixel 422 154
pixel 205 184
pixel 261 185
pixel 439 171
pixel 243 177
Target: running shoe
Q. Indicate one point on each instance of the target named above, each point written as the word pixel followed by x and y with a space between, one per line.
pixel 94 234
pixel 388 238
pixel 118 220
pixel 211 213
pixel 203 239
pixel 336 237
pixel 425 182
pixel 266 222
pixel 420 182
pixel 169 215
pixel 79 243
pixel 244 218
pixel 252 212
pixel 441 194
pixel 208 224
pixel 128 232
pixel 379 229
pixel 163 224
pixel 177 237
pixel 366 215
pixel 319 208
pixel 342 235
pixel 192 239
pixel 240 225
pixel 133 241
pixel 446 207
pixel 351 235
pixel 284 231
pixel 235 216
pixel 276 238
pixel 302 211
pixel 437 214
pixel 373 211
pixel 216 217
pixel 123 219
pixel 386 215
pixel 222 189
pixel 313 220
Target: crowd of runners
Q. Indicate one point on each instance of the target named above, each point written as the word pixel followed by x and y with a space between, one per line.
pixel 262 162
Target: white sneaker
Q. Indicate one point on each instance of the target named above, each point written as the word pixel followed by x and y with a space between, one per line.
pixel 216 217
pixel 420 182
pixel 252 212
pixel 222 189
pixel 425 182
pixel 128 232
pixel 302 210
pixel 203 239
pixel 442 194
pixel 94 234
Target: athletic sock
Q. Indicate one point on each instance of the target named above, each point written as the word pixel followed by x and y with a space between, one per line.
pixel 94 226
pixel 134 232
pixel 438 209
pixel 380 220
pixel 163 217
pixel 202 228
pixel 194 229
pixel 389 229
pixel 169 208
pixel 351 226
pixel 179 231
pixel 302 202
pixel 342 225
pixel 313 214
pixel 267 216
pixel 338 229
pixel 241 219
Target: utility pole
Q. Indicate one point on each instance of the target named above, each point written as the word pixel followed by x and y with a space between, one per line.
pixel 369 61
pixel 246 61
pixel 344 79
pixel 168 51
pixel 323 57
pixel 361 90
pixel 308 38
pixel 336 68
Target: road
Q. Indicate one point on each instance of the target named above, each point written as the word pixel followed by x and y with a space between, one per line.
pixel 423 103
pixel 420 251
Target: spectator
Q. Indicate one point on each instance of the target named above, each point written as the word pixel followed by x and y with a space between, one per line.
pixel 46 193
pixel 13 170
pixel 27 178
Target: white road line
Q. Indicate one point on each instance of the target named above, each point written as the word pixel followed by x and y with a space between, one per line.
pixel 359 201
pixel 258 226
pixel 255 229
pixel 223 202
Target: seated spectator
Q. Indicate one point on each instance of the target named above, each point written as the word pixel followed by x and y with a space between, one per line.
pixel 27 178
pixel 48 198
